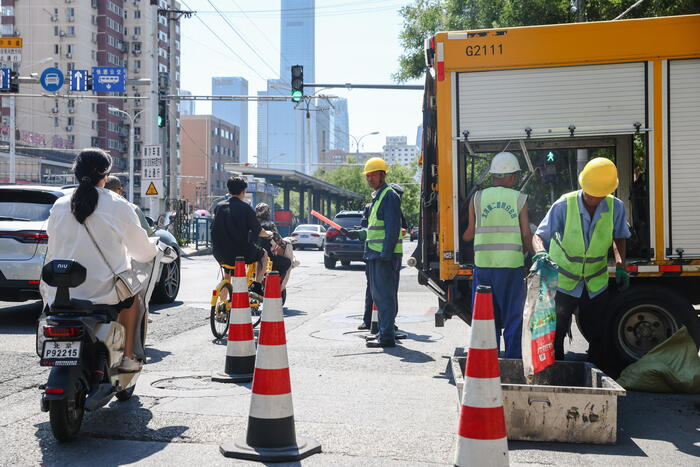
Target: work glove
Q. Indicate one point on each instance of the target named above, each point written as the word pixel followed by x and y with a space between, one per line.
pixel 354 234
pixel 622 278
pixel 541 256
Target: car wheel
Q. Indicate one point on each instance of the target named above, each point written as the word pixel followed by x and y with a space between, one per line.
pixel 168 285
pixel 329 262
pixel 320 247
pixel 345 262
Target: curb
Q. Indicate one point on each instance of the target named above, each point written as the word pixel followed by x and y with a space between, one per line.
pixel 200 252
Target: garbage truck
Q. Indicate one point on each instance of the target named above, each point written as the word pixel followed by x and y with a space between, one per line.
pixel 557 96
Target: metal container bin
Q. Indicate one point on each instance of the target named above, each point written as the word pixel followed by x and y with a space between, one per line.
pixel 570 402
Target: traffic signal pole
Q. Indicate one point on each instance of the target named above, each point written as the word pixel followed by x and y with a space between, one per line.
pixel 13 142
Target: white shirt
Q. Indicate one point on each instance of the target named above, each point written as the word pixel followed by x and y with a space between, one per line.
pixel 115 227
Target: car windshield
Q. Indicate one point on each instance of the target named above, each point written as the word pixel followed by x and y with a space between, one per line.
pixel 348 222
pixel 25 205
pixel 306 228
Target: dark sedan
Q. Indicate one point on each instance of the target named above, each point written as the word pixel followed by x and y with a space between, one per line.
pixel 339 247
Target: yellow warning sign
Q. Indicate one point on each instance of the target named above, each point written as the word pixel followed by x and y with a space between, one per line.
pixel 11 42
pixel 151 189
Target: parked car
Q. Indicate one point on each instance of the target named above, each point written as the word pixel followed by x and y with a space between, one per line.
pixel 338 246
pixel 414 233
pixel 24 212
pixel 309 235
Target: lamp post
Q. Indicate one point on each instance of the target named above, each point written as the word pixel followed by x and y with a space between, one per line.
pixel 357 141
pixel 268 159
pixel 131 147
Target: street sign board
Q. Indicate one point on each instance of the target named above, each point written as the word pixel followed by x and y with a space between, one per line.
pixel 51 79
pixel 11 42
pixel 109 79
pixel 5 79
pixel 78 80
pixel 10 56
pixel 152 171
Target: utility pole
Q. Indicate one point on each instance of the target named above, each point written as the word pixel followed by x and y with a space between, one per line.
pixel 173 20
pixel 13 158
pixel 581 154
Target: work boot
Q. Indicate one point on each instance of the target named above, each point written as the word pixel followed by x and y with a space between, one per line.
pixel 379 343
pixel 363 327
pixel 257 288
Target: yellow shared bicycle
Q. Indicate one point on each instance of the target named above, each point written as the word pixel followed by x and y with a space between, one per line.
pixel 221 299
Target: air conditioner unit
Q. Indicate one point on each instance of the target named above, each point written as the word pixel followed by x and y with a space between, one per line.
pixel 137 70
pixel 71 110
pixel 135 36
pixel 62 33
pixel 137 52
pixel 54 110
pixel 69 55
pixel 54 17
pixel 71 19
pixel 69 128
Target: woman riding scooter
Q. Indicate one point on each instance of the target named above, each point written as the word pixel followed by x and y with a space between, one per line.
pixel 280 263
pixel 94 214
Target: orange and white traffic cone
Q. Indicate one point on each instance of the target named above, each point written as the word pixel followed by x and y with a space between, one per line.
pixel 240 349
pixel 374 326
pixel 481 437
pixel 271 435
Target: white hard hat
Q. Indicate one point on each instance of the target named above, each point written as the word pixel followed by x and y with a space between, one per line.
pixel 504 163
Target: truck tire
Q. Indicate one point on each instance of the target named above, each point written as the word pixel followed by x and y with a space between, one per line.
pixel 643 317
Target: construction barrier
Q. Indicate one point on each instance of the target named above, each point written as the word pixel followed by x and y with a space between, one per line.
pixel 240 349
pixel 271 435
pixel 374 326
pixel 481 436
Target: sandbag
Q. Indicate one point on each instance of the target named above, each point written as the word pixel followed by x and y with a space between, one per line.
pixel 671 367
pixel 539 318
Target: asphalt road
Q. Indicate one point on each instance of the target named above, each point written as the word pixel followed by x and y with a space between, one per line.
pixel 365 406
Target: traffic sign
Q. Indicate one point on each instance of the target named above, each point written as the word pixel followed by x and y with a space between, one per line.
pixel 152 171
pixel 10 56
pixel 52 79
pixel 11 42
pixel 5 79
pixel 109 79
pixel 78 80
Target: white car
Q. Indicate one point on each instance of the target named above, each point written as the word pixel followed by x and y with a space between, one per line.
pixel 309 235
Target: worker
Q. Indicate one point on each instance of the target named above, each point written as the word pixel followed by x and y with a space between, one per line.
pixel 383 249
pixel 577 234
pixel 500 229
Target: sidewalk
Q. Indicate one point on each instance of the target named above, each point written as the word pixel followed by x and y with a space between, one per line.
pixel 190 250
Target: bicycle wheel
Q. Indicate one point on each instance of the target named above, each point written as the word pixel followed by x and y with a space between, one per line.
pixel 255 310
pixel 220 312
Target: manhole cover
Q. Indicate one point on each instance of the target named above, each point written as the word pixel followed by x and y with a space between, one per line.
pixel 399 318
pixel 353 335
pixel 184 383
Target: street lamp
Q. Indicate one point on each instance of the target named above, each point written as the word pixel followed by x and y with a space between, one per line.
pixel 357 141
pixel 268 159
pixel 131 147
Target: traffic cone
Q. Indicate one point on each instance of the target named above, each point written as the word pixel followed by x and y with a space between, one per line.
pixel 481 437
pixel 240 349
pixel 271 436
pixel 374 326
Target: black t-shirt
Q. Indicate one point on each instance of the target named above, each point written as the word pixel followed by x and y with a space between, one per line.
pixel 234 223
pixel 265 243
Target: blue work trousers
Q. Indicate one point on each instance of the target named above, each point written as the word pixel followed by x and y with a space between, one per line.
pixel 508 290
pixel 384 283
pixel 367 317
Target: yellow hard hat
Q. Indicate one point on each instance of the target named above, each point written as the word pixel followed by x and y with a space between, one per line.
pixel 375 163
pixel 599 177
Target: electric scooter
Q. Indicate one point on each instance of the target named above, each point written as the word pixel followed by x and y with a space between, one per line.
pixel 84 343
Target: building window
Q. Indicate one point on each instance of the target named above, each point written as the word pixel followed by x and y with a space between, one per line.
pixel 70 12
pixel 55 121
pixel 137 30
pixel 137 14
pixel 55 30
pixel 55 49
pixel 93 124
pixel 70 48
pixel 70 31
pixel 8 11
pixel 71 121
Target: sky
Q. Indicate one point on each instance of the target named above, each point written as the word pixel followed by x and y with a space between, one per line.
pixel 356 42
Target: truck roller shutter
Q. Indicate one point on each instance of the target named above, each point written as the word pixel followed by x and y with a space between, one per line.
pixel 684 154
pixel 502 103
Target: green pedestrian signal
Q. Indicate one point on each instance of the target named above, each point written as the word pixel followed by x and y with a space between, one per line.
pixel 162 113
pixel 297 83
pixel 550 157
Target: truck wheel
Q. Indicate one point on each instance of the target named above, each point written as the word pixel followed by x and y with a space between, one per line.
pixel 642 318
pixel 329 262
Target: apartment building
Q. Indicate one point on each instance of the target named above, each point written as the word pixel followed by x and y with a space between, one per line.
pixel 397 150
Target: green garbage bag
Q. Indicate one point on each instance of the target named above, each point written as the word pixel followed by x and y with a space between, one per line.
pixel 672 366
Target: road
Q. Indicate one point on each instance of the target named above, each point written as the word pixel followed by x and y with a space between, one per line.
pixel 365 406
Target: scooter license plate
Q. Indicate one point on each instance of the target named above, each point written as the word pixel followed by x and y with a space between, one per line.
pixel 60 353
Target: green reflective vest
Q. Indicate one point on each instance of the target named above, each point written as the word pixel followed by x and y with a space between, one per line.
pixel 375 228
pixel 497 239
pixel 575 262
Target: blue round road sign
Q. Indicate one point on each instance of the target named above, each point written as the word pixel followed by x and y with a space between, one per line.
pixel 52 79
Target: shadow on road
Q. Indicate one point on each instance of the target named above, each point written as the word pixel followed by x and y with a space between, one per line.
pixel 289 312
pixel 154 355
pixel 156 308
pixel 409 355
pixel 20 318
pixel 125 422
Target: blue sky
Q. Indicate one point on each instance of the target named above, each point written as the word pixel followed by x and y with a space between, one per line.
pixel 356 42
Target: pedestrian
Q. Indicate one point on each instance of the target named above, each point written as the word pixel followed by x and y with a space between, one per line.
pixel 383 249
pixel 577 234
pixel 500 229
pixel 113 183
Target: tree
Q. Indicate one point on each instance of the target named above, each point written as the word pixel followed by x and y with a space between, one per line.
pixel 426 17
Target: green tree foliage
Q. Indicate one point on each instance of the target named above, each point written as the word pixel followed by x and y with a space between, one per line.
pixel 350 177
pixel 423 18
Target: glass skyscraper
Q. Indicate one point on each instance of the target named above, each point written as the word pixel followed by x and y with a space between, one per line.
pixel 234 112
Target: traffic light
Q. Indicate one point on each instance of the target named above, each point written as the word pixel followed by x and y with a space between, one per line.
pixel 297 83
pixel 550 168
pixel 14 82
pixel 162 112
pixel 550 157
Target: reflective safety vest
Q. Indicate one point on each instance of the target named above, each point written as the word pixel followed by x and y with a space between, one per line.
pixel 575 262
pixel 375 227
pixel 497 239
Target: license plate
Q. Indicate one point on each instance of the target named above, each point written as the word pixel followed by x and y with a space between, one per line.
pixel 304 236
pixel 60 353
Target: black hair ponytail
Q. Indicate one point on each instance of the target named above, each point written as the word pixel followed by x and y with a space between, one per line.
pixel 89 167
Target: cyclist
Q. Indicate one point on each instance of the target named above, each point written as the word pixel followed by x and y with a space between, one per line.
pixel 280 263
pixel 95 211
pixel 234 224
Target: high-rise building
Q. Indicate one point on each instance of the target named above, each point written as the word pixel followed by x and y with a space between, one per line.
pixel 208 143
pixel 397 150
pixel 419 136
pixel 340 125
pixel 80 35
pixel 285 136
pixel 235 112
pixel 186 107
